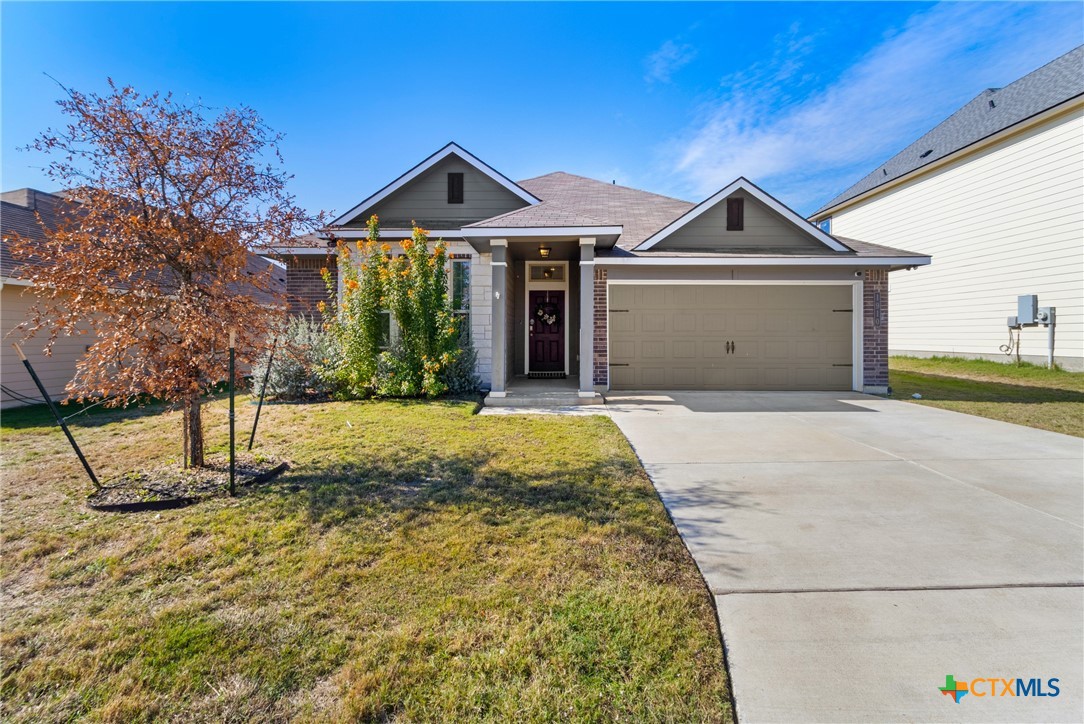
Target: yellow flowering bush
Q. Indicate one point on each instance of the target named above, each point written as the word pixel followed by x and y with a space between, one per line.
pixel 412 290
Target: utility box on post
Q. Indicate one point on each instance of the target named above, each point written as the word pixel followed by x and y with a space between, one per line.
pixel 1027 307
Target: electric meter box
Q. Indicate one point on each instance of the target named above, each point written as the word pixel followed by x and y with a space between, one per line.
pixel 1027 308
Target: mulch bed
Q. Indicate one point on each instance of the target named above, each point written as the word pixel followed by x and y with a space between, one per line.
pixel 174 487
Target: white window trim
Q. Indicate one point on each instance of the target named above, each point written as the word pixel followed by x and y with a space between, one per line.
pixel 468 312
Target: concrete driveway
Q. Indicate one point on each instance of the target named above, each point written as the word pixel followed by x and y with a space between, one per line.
pixel 860 550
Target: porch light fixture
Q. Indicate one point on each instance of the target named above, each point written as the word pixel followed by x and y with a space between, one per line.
pixel 544 252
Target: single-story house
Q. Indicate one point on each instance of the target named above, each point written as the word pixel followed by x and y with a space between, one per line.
pixel 995 193
pixel 27 212
pixel 613 288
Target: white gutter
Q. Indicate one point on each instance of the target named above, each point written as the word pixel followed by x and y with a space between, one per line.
pixel 765 261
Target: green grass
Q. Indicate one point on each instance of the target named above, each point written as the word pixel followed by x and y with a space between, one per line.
pixel 417 563
pixel 1024 394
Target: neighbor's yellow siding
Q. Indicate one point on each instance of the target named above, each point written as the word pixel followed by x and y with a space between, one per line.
pixel 1005 221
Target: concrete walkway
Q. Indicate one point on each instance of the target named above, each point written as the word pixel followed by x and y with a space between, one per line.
pixel 860 550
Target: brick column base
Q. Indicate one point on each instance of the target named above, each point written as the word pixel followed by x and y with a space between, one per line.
pixel 600 347
pixel 875 331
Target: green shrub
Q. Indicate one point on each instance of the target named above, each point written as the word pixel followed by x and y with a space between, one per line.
pixel 305 356
pixel 413 289
pixel 460 377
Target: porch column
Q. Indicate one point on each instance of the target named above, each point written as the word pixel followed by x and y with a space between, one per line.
pixel 500 291
pixel 587 316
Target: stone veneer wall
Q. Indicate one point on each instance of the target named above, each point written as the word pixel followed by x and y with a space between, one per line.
pixel 875 328
pixel 481 304
pixel 304 285
pixel 600 347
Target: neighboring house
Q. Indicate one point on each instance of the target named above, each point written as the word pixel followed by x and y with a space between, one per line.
pixel 615 288
pixel 996 193
pixel 24 212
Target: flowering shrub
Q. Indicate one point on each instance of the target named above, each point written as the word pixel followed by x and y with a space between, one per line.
pixel 412 291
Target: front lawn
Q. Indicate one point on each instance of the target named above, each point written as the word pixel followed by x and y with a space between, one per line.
pixel 417 563
pixel 1024 394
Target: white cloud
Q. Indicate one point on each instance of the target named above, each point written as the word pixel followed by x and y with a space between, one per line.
pixel 808 150
pixel 667 60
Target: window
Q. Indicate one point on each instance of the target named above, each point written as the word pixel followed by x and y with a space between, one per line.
pixel 544 273
pixel 455 188
pixel 461 293
pixel 825 225
pixel 385 329
pixel 735 214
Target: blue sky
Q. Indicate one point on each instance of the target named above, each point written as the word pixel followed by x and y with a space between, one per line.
pixel 803 98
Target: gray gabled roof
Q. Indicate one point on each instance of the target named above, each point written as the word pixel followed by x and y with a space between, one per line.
pixel 545 214
pixel 567 196
pixel 993 110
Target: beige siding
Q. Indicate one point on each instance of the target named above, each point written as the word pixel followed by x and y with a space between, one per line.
pixel 1004 221
pixel 425 200
pixel 763 229
pixel 55 371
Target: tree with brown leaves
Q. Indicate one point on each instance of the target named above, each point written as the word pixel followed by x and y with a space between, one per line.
pixel 155 252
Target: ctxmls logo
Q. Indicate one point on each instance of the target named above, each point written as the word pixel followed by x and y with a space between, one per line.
pixel 998 687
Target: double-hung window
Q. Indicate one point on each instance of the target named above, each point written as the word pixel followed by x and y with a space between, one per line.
pixel 460 297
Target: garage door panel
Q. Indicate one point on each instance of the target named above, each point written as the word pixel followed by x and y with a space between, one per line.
pixel 653 349
pixel 714 322
pixel 653 322
pixel 685 377
pixel 685 297
pixel 777 350
pixel 653 296
pixel 684 321
pixel 655 377
pixel 782 336
pixel 623 377
pixel 684 349
pixel 622 322
pixel 714 349
pixel 747 322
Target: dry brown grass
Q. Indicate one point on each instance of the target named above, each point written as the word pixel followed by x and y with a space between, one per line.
pixel 417 563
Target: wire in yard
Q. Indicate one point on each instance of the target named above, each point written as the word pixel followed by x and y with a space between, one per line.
pixel 18 396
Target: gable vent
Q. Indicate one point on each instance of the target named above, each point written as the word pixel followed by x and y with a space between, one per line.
pixel 455 188
pixel 735 214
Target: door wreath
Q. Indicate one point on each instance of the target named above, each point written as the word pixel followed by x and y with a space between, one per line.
pixel 548 313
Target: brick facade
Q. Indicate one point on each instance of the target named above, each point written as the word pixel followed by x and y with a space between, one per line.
pixel 601 349
pixel 875 329
pixel 304 285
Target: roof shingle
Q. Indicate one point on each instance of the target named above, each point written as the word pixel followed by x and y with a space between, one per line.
pixel 993 110
pixel 565 195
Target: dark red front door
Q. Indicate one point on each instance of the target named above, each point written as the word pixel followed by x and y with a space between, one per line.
pixel 546 329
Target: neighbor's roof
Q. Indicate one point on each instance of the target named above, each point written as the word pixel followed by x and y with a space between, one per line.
pixel 993 110
pixel 27 212
pixel 570 200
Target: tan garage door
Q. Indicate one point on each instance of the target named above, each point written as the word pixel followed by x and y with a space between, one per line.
pixel 730 337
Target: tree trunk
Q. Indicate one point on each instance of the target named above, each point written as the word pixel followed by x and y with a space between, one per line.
pixel 194 422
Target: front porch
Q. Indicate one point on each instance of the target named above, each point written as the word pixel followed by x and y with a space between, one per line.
pixel 522 391
pixel 543 322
